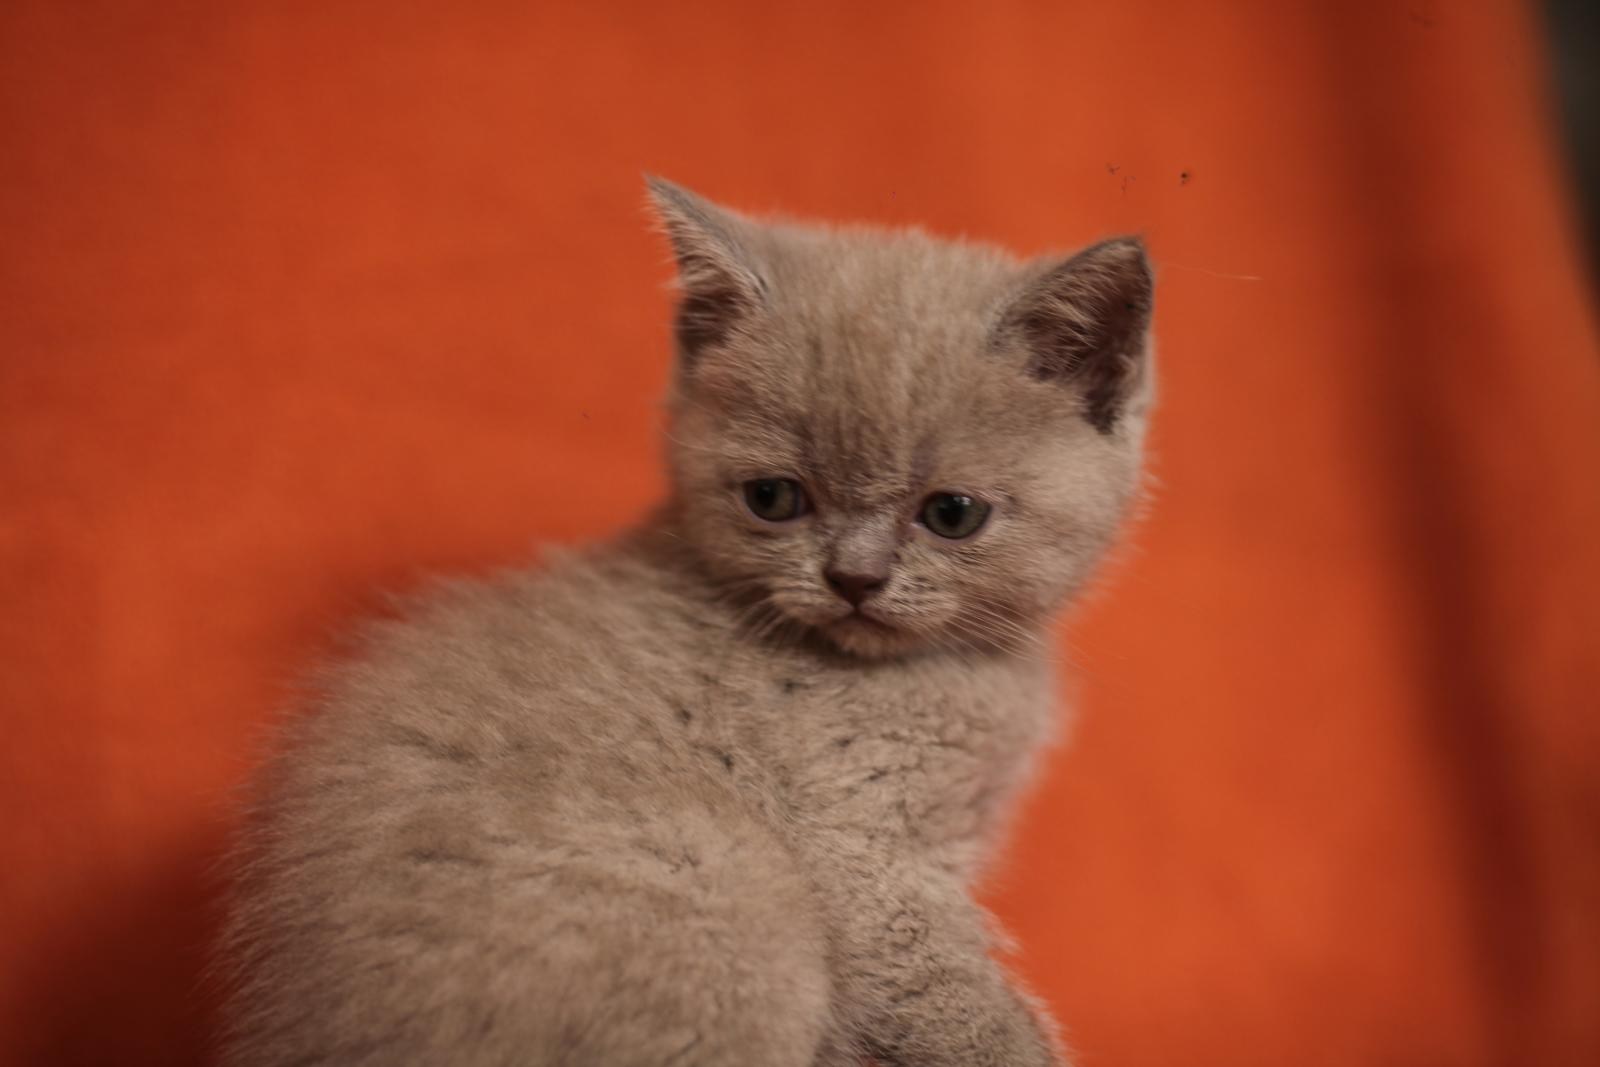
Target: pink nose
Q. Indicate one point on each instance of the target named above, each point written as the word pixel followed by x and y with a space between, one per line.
pixel 853 587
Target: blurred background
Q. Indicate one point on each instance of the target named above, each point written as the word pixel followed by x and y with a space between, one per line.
pixel 301 302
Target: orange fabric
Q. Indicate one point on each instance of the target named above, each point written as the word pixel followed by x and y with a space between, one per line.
pixel 300 302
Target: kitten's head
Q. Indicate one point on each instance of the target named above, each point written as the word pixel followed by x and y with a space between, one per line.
pixel 898 442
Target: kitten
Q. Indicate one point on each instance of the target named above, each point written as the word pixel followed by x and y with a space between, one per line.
pixel 714 794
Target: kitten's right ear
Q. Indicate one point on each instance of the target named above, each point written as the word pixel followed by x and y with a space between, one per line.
pixel 716 270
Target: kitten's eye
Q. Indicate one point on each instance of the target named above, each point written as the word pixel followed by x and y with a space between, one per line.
pixel 775 499
pixel 954 515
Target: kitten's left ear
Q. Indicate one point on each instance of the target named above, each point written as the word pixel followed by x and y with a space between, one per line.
pixel 1084 323
pixel 716 269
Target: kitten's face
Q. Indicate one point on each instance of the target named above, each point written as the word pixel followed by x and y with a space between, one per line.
pixel 870 440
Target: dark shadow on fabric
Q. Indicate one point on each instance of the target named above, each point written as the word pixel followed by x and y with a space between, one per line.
pixel 1467 713
pixel 122 983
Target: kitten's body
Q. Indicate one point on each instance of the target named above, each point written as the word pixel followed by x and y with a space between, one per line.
pixel 647 805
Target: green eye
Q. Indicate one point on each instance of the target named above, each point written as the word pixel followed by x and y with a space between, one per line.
pixel 954 515
pixel 775 499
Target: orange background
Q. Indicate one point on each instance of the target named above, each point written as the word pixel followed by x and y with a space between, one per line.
pixel 303 301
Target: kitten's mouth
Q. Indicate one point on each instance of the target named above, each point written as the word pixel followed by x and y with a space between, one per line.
pixel 868 634
pixel 860 617
pixel 860 628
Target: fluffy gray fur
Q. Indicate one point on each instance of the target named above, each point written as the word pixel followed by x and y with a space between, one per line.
pixel 674 800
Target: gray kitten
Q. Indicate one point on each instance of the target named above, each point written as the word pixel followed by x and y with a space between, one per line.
pixel 715 793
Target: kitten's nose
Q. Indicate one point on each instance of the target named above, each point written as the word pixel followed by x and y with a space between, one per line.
pixel 853 587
